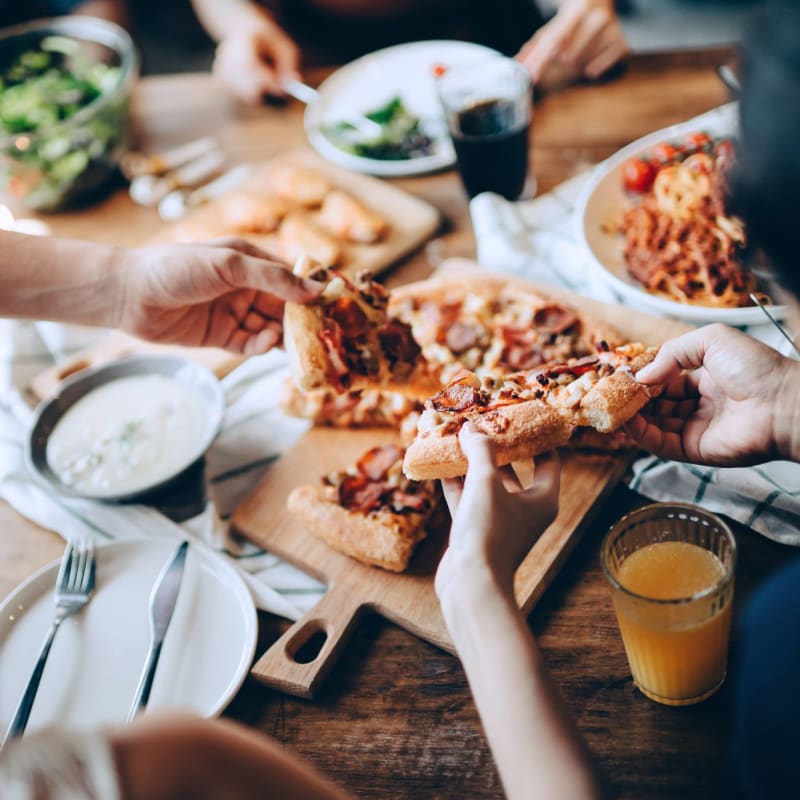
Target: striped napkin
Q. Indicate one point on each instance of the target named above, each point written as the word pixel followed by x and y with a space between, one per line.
pixel 538 239
pixel 254 433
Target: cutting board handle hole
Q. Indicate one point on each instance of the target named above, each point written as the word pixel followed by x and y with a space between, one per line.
pixel 307 644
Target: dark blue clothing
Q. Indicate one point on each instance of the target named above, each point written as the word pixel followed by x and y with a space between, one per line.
pixel 766 749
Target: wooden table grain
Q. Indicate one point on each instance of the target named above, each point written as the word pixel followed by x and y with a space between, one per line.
pixel 396 719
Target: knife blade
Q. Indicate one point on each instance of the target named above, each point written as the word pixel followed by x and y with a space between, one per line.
pixel 163 599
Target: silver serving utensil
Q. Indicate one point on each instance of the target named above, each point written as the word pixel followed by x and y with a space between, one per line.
pixel 783 332
pixel 149 190
pixel 180 201
pixel 162 605
pixel 74 586
pixel 134 164
pixel 306 94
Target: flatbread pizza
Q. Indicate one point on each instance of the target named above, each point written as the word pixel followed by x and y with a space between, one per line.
pixel 529 412
pixel 346 340
pixel 369 511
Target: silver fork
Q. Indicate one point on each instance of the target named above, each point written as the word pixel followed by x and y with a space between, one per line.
pixel 74 586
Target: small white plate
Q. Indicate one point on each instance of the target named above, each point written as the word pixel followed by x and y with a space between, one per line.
pixel 98 655
pixel 603 201
pixel 372 80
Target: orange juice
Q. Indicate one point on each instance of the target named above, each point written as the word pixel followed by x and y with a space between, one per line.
pixel 674 623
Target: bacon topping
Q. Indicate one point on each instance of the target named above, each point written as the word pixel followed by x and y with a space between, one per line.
pixel 459 395
pixel 576 368
pixel 339 372
pixel 406 501
pixel 359 493
pixel 349 316
pixel 376 463
pixel 398 343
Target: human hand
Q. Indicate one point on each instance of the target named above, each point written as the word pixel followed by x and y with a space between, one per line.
pixel 254 59
pixel 584 39
pixel 729 400
pixel 495 522
pixel 227 293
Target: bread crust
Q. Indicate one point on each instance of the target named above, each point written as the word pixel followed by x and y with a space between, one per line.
pixel 616 398
pixel 381 538
pixel 528 429
pixel 301 339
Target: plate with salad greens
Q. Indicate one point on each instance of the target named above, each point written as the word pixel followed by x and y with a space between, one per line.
pixel 395 88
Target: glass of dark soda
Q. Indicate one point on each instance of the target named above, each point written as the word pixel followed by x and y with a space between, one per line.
pixel 488 106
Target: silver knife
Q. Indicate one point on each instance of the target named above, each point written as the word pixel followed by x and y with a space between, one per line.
pixel 162 605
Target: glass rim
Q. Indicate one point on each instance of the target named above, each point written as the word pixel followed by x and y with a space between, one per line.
pixel 479 64
pixel 715 588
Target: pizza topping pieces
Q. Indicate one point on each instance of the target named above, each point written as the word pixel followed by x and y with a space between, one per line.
pixel 554 318
pixel 331 336
pixel 347 313
pixel 376 463
pixel 377 482
pixel 460 395
pixel 398 343
pixel 461 337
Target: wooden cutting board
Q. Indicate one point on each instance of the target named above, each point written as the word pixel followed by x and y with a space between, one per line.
pixel 408 599
pixel 412 221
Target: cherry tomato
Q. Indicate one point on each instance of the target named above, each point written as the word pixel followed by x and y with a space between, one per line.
pixel 666 152
pixel 725 150
pixel 697 141
pixel 638 175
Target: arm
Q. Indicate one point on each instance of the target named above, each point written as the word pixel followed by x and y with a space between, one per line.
pixel 536 747
pixel 729 401
pixel 224 294
pixel 254 53
pixel 173 757
pixel 584 39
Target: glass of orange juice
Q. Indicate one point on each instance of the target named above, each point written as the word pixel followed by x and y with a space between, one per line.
pixel 671 570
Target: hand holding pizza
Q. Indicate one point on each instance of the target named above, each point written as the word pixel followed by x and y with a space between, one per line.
pixel 227 293
pixel 495 523
pixel 729 401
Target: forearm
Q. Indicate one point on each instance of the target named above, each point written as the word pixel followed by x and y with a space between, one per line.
pixel 220 19
pixel 537 750
pixel 60 279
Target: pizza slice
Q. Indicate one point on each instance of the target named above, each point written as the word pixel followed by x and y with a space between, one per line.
pixel 354 409
pixel 298 235
pixel 346 340
pixel 370 511
pixel 529 412
pixel 487 324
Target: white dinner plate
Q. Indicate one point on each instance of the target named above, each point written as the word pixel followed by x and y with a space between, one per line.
pixel 372 80
pixel 602 202
pixel 98 655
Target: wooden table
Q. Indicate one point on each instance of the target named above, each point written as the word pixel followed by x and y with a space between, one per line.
pixel 396 718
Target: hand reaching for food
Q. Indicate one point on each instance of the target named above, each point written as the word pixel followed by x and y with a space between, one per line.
pixel 495 522
pixel 583 40
pixel 227 294
pixel 729 401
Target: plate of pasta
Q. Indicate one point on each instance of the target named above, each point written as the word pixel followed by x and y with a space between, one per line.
pixel 654 220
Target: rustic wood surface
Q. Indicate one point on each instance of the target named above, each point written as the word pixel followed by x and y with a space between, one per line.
pixel 396 718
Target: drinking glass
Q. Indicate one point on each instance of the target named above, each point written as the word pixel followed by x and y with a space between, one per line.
pixel 488 107
pixel 673 603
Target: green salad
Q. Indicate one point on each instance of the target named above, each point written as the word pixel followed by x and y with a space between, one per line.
pixel 401 135
pixel 49 158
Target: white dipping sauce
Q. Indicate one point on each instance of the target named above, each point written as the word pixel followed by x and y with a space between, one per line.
pixel 127 435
